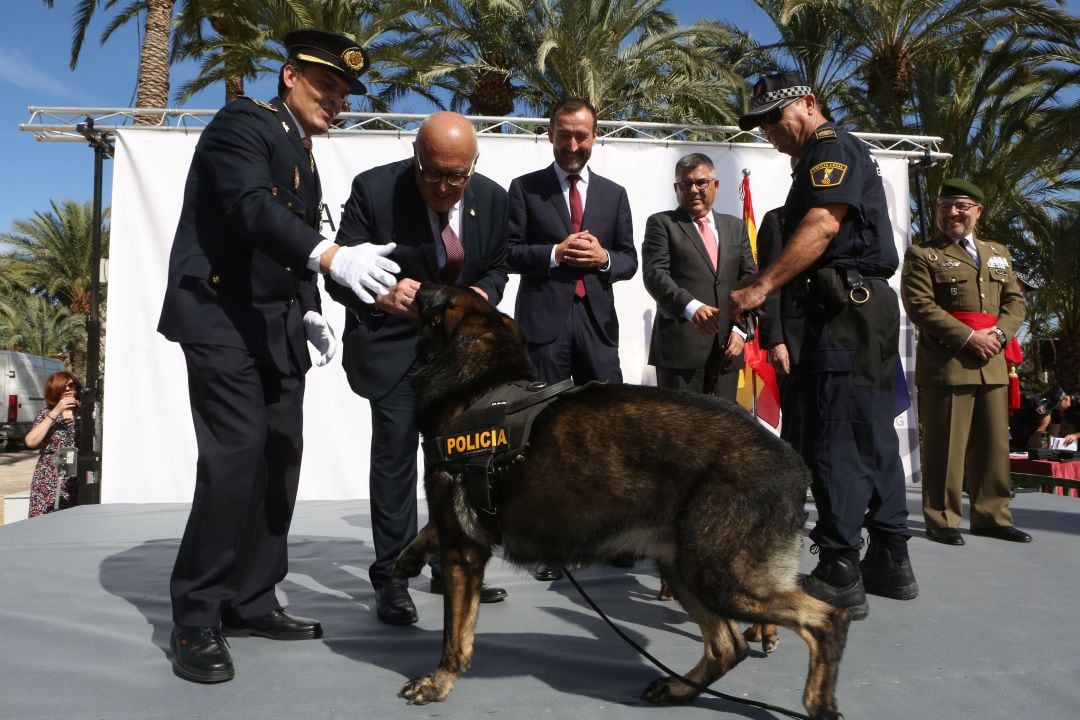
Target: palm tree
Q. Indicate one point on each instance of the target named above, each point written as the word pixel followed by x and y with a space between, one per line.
pixel 42 327
pixel 1050 251
pixel 239 40
pixel 51 253
pixel 152 89
pixel 628 57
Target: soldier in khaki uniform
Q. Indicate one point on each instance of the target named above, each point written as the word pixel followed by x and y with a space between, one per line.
pixel 962 294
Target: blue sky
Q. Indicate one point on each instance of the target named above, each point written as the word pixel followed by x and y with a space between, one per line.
pixel 35 44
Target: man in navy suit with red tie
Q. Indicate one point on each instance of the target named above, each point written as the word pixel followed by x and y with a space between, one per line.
pixel 571 238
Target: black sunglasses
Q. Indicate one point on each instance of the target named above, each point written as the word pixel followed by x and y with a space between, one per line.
pixel 773 116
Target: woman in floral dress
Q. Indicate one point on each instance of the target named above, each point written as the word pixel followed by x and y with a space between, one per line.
pixel 56 427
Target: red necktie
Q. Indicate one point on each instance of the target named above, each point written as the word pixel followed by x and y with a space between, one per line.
pixel 709 238
pixel 455 253
pixel 576 211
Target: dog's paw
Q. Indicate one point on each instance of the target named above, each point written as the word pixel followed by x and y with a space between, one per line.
pixel 422 690
pixel 408 564
pixel 764 634
pixel 669 691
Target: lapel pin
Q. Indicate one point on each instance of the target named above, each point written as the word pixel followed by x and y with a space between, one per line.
pixel 285 125
pixel 472 212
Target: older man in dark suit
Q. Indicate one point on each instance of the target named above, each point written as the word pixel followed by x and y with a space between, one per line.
pixel 449 225
pixel 241 298
pixel 571 238
pixel 693 257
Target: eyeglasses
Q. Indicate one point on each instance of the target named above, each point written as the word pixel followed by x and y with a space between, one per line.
pixel 773 116
pixel 71 386
pixel 946 206
pixel 452 179
pixel 699 183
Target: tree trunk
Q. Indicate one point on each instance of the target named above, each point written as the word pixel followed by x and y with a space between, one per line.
pixel 153 87
pixel 234 88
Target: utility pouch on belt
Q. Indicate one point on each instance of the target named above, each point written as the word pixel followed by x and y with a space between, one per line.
pixel 828 290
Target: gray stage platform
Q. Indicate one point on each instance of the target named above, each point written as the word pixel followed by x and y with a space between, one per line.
pixel 84 626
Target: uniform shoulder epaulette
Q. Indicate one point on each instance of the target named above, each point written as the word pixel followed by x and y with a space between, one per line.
pixel 825 133
pixel 260 103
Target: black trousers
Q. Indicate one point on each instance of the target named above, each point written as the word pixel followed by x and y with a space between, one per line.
pixel 714 378
pixel 392 476
pixel 579 351
pixel 846 393
pixel 249 430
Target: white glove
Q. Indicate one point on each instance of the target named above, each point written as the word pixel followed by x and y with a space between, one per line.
pixel 321 336
pixel 365 269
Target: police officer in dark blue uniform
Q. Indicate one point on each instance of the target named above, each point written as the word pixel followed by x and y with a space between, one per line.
pixel 838 253
pixel 241 300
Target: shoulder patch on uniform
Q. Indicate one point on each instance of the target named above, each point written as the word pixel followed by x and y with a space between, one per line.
pixel 260 103
pixel 825 132
pixel 827 174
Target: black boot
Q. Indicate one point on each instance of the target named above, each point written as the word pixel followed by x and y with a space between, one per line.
pixel 836 580
pixel 886 569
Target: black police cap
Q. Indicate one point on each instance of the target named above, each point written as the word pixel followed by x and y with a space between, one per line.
pixel 334 52
pixel 1053 398
pixel 772 92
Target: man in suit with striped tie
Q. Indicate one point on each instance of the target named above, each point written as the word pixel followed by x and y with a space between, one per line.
pixel 693 257
pixel 449 226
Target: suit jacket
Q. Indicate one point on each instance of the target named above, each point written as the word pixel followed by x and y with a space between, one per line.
pixel 385 206
pixel 237 270
pixel 782 319
pixel 539 219
pixel 678 270
pixel 940 277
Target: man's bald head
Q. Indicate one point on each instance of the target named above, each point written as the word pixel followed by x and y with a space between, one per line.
pixel 444 152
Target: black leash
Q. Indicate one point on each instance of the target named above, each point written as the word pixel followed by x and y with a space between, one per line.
pixel 661 666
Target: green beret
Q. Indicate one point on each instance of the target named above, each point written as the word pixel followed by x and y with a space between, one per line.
pixel 957 187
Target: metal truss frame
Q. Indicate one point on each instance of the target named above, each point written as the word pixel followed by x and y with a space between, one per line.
pixel 61 124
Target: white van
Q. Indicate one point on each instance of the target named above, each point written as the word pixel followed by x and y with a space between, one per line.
pixel 22 391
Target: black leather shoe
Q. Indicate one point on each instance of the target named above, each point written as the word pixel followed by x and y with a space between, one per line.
pixel 393 604
pixel 201 654
pixel 276 625
pixel 487 594
pixel 546 573
pixel 1007 532
pixel 945 536
pixel 623 560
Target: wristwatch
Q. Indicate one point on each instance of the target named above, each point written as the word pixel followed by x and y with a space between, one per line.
pixel 1001 336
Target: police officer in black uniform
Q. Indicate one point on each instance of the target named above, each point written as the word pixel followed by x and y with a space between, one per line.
pixel 241 300
pixel 839 252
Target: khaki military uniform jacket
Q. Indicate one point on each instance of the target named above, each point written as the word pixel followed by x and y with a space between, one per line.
pixel 939 277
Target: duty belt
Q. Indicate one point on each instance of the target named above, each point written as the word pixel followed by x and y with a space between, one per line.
pixel 492 434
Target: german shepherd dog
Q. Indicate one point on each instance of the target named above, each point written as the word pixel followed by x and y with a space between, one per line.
pixel 689 480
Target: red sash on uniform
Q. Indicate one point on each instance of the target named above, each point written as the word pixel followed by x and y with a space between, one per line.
pixel 1014 355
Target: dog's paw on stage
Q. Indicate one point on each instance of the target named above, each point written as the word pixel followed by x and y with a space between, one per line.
pixel 669 691
pixel 424 689
pixel 764 634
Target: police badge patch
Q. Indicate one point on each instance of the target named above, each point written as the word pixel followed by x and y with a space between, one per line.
pixel 827 174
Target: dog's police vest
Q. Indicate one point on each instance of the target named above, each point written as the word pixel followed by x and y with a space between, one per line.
pixel 492 433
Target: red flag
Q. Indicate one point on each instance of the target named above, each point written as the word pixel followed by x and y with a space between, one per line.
pixel 758 390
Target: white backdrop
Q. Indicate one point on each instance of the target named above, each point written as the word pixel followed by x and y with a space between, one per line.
pixel 148 442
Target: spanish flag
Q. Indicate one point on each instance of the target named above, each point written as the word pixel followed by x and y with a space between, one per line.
pixel 758 391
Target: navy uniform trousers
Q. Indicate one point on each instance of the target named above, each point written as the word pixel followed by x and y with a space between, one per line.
pixel 846 405
pixel 248 426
